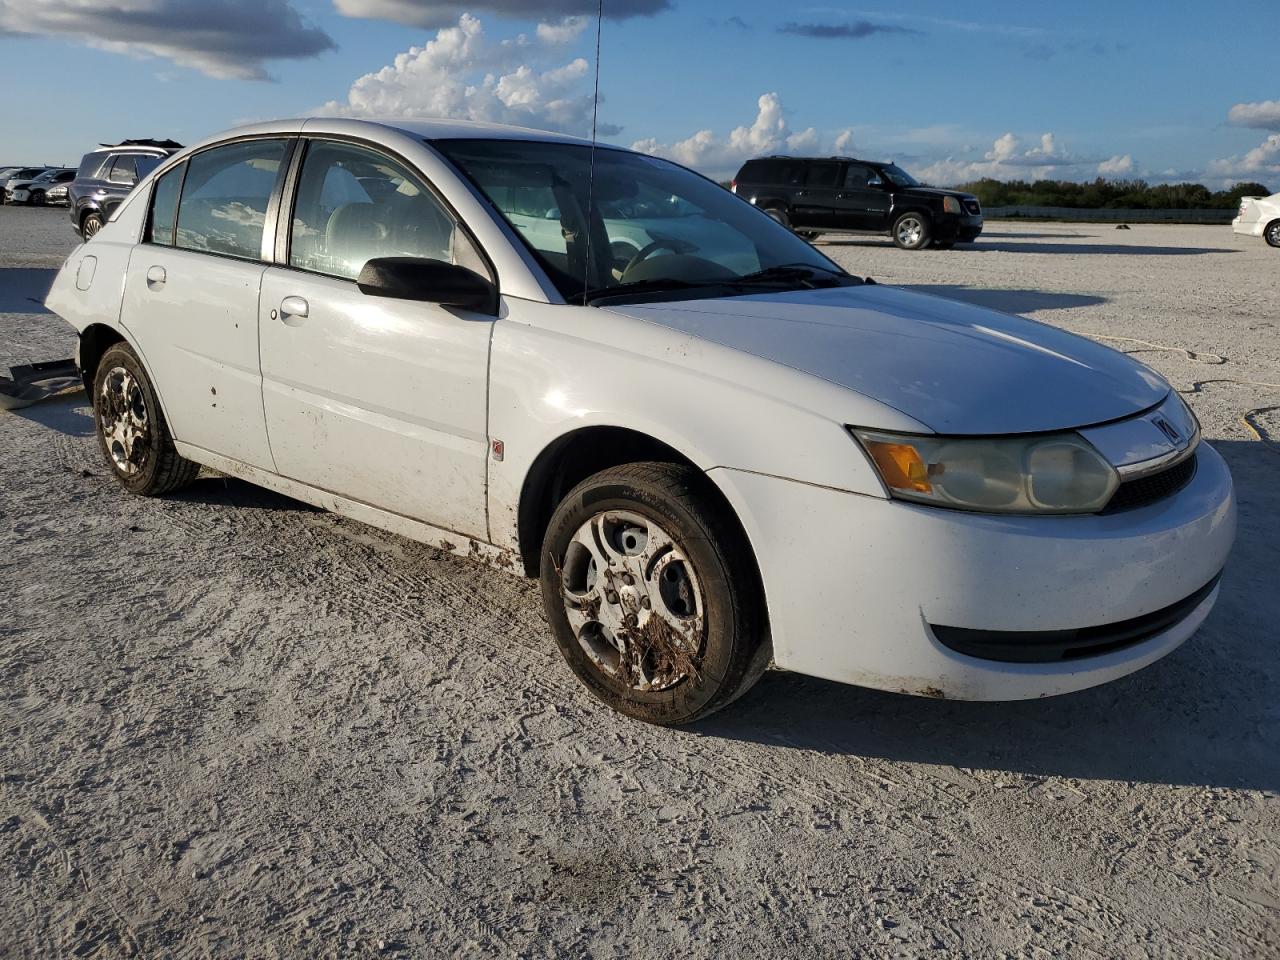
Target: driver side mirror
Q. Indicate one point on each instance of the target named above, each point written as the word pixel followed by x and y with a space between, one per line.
pixel 428 281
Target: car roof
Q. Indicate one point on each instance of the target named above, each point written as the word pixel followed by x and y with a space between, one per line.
pixel 426 128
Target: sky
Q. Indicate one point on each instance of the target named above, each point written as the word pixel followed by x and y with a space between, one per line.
pixel 1165 91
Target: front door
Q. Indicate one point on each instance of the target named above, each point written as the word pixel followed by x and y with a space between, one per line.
pixel 862 202
pixel 382 401
pixel 191 295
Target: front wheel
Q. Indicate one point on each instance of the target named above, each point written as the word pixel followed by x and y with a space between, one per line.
pixel 37 198
pixel 1272 233
pixel 649 587
pixel 911 231
pixel 132 432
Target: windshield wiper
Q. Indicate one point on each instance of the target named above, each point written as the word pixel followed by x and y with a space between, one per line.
pixel 651 285
pixel 786 272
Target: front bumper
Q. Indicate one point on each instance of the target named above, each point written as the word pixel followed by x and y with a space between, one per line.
pixel 958 229
pixel 853 582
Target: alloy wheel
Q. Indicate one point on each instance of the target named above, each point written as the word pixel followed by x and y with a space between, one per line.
pixel 123 420
pixel 633 600
pixel 910 231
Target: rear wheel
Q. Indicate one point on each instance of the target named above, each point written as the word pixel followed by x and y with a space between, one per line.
pixel 90 226
pixel 649 587
pixel 809 235
pixel 779 214
pixel 1272 233
pixel 911 231
pixel 132 432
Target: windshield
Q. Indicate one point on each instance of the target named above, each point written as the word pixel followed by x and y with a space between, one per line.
pixel 899 177
pixel 654 226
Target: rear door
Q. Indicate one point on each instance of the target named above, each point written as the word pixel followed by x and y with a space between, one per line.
pixel 383 401
pixel 862 203
pixel 814 203
pixel 191 296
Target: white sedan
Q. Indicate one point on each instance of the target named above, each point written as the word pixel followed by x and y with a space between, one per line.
pixel 1259 217
pixel 716 448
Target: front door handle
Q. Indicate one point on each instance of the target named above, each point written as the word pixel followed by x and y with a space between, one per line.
pixel 156 277
pixel 293 307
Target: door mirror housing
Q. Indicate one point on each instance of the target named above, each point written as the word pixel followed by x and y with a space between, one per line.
pixel 428 281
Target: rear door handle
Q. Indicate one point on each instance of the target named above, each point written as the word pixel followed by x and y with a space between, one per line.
pixel 293 307
pixel 156 276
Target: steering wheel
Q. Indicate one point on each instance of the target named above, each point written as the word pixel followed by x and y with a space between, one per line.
pixel 658 243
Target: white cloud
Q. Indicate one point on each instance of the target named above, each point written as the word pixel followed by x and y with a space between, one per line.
pixel 1006 160
pixel 461 74
pixel 1262 161
pixel 222 38
pixel 566 31
pixel 1263 115
pixel 1118 166
pixel 717 155
pixel 844 143
pixel 434 14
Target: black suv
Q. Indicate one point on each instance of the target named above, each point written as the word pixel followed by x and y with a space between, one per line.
pixel 107 175
pixel 815 195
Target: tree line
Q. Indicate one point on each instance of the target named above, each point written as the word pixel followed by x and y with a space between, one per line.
pixel 1104 193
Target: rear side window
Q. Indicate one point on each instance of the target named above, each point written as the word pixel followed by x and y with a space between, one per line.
pixel 164 204
pixel 122 171
pixel 91 165
pixel 224 199
pixel 822 175
pixel 778 172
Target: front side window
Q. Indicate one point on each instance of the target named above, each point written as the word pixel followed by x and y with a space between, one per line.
pixel 857 176
pixel 164 204
pixel 354 205
pixel 899 177
pixel 630 223
pixel 224 198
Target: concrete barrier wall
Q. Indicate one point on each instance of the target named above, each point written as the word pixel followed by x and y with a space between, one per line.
pixel 1109 215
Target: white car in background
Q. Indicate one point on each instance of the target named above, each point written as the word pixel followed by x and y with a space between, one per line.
pixel 715 447
pixel 1259 217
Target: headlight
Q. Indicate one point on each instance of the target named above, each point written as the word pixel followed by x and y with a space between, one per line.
pixel 1055 473
pixel 951 205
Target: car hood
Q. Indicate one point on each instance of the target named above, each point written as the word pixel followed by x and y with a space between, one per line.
pixel 936 192
pixel 954 367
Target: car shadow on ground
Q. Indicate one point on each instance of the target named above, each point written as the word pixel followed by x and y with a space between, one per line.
pixel 1008 301
pixel 23 289
pixel 219 491
pixel 1206 715
pixel 983 245
pixel 67 413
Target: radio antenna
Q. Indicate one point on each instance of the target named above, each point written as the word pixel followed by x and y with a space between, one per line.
pixel 591 171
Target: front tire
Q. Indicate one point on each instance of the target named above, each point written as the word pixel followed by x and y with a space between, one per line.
pixel 1272 233
pixel 36 199
pixel 912 231
pixel 132 433
pixel 651 592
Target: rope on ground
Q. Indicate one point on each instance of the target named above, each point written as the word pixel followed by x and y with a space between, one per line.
pixel 1249 419
pixel 1192 355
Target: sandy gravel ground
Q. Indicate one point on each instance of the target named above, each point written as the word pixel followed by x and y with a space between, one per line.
pixel 232 726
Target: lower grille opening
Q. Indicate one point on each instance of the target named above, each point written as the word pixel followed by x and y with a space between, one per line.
pixel 1047 646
